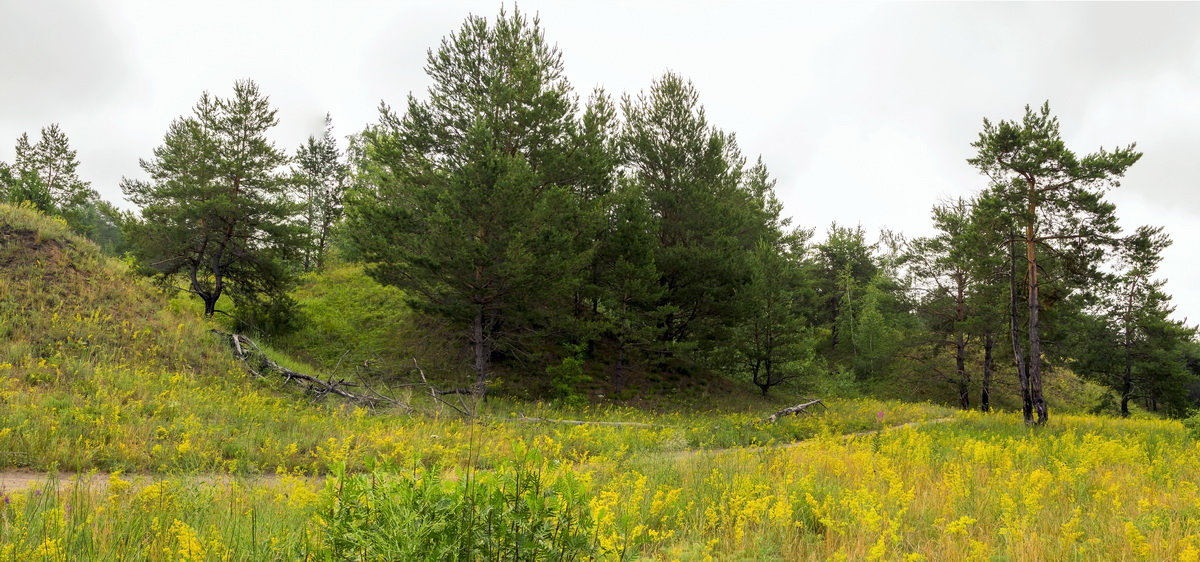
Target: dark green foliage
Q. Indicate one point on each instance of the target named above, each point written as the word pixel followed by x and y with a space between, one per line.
pixel 6 180
pixel 1056 200
pixel 216 209
pixel 470 200
pixel 625 281
pixel 45 174
pixel 943 267
pixel 568 376
pixel 845 263
pixel 706 228
pixel 774 340
pixel 321 178
pixel 515 514
pixel 1129 342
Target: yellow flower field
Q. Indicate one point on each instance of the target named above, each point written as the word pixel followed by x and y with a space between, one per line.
pixel 976 487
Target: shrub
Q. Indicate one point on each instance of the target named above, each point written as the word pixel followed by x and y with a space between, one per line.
pixel 508 514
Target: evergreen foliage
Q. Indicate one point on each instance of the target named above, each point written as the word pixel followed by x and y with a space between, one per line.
pixel 321 177
pixel 1129 342
pixel 1056 198
pixel 216 208
pixel 471 196
pixel 586 247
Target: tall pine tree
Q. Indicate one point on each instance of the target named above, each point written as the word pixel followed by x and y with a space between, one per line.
pixel 470 198
pixel 216 208
pixel 321 177
pixel 1056 198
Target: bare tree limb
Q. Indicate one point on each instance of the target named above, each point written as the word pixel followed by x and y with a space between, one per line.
pixel 801 408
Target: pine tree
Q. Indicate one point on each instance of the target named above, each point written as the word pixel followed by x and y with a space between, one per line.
pixel 1057 200
pixel 1129 342
pixel 943 263
pixel 45 174
pixel 321 177
pixel 6 180
pixel 845 265
pixel 773 339
pixel 626 281
pixel 707 221
pixel 470 199
pixel 216 208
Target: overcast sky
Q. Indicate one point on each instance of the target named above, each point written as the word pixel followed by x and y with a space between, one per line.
pixel 864 112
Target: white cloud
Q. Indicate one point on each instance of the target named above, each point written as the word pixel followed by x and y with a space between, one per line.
pixel 865 112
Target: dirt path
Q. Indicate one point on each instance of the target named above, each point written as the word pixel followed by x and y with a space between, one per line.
pixel 21 480
pixel 690 453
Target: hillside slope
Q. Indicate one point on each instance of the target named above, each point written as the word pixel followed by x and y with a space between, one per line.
pixel 98 371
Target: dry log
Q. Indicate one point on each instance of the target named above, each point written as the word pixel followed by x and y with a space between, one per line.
pixel 249 353
pixel 801 408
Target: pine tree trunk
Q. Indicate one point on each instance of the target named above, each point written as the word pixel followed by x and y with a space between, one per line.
pixel 1015 333
pixel 210 305
pixel 482 351
pixel 960 347
pixel 1127 379
pixel 985 403
pixel 1035 328
pixel 960 364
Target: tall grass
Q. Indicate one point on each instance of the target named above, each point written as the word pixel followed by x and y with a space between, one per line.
pixel 973 488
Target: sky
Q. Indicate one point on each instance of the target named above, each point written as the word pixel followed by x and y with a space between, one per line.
pixel 864 112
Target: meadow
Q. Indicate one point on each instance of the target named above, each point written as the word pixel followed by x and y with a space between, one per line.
pixel 147 441
pixel 974 487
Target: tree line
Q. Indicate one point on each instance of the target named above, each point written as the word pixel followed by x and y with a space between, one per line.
pixel 571 241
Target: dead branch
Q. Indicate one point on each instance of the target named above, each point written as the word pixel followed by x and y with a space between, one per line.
pixel 251 355
pixel 436 394
pixel 801 408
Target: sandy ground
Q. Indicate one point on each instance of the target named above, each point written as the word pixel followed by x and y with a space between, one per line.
pixel 18 480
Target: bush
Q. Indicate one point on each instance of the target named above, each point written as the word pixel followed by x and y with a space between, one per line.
pixel 509 514
pixel 1192 423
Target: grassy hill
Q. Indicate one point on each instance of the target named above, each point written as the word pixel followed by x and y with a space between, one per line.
pixel 194 459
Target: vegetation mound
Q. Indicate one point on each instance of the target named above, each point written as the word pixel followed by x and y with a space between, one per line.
pixel 99 371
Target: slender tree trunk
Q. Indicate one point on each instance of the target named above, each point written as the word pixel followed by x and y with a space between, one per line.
pixel 960 346
pixel 985 399
pixel 482 349
pixel 1015 333
pixel 833 331
pixel 1127 377
pixel 621 368
pixel 960 364
pixel 769 368
pixel 1035 328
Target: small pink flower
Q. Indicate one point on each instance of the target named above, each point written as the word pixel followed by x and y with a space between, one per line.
pixel 879 416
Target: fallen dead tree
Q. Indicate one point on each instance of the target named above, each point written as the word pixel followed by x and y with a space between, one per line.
pixel 256 361
pixel 798 409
